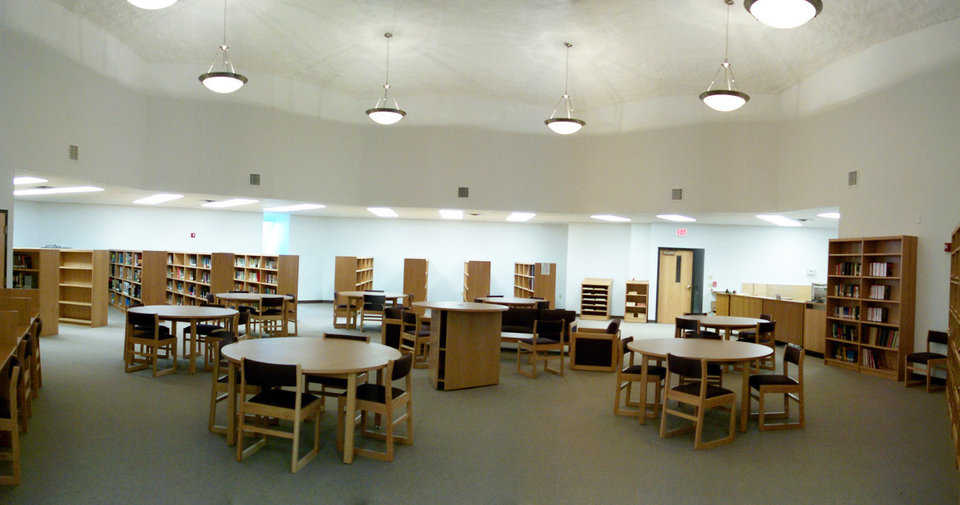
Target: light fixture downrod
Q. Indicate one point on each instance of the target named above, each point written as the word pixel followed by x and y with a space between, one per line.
pixel 383 113
pixel 226 79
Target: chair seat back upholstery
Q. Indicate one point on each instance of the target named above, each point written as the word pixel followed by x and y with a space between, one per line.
pixel 519 320
pixel 144 325
pixel 374 302
pixel 685 367
pixel 268 375
pixel 549 329
pixel 401 367
pixel 409 321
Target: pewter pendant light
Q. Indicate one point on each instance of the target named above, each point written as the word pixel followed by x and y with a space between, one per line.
pixel 564 123
pixel 383 113
pixel 224 78
pixel 783 13
pixel 725 99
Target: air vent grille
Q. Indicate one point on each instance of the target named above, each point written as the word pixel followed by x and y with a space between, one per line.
pixel 677 194
pixel 254 179
pixel 74 152
pixel 463 192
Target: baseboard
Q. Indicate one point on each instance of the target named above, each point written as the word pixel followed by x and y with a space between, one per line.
pixel 314 301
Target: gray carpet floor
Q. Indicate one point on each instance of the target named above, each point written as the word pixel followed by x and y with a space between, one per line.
pixel 99 435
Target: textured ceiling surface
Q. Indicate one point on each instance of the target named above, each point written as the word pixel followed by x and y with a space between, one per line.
pixel 509 49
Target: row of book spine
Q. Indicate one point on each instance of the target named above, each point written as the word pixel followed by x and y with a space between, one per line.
pixel 847 290
pixel 880 269
pixel 847 312
pixel 876 314
pixel 847 268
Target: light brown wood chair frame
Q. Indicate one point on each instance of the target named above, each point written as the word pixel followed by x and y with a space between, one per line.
pixel 36 363
pixel 414 343
pixel 541 352
pixel 11 425
pixel 142 353
pixel 371 315
pixel 292 318
pixel 678 332
pixel 24 386
pixel 625 383
pixel 386 410
pixel 324 392
pixel 790 392
pixel 911 367
pixel 348 312
pixel 767 338
pixel 613 338
pixel 274 324
pixel 220 388
pixel 701 404
pixel 297 416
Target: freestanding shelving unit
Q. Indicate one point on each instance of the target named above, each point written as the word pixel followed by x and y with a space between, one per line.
pixel 535 280
pixel 953 353
pixel 871 298
pixel 523 280
pixel 353 273
pixel 266 274
pixel 188 277
pixel 137 277
pixel 636 301
pixel 415 279
pixel 595 298
pixel 39 269
pixel 83 285
pixel 476 280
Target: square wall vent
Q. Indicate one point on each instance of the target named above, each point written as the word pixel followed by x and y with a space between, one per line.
pixel 463 192
pixel 677 194
pixel 852 178
pixel 74 152
pixel 254 179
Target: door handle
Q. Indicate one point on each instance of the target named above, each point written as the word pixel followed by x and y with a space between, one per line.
pixel 689 286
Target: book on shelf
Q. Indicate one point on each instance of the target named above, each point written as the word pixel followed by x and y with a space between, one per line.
pixel 843 331
pixel 847 268
pixel 880 292
pixel 877 314
pixel 847 312
pixel 880 269
pixel 874 359
pixel 882 337
pixel 844 353
pixel 847 290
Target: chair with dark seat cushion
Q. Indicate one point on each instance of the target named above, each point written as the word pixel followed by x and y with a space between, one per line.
pixel 344 308
pixel 701 332
pixel 203 330
pixel 686 328
pixel 392 326
pixel 546 343
pixel 220 380
pixel 698 393
pixel 632 372
pixel 146 342
pixel 764 334
pixel 690 328
pixel 928 361
pixel 749 334
pixel 327 382
pixel 373 398
pixel 292 314
pixel 273 401
pixel 594 350
pixel 372 309
pixel 515 320
pixel 415 339
pixel 790 387
pixel 271 316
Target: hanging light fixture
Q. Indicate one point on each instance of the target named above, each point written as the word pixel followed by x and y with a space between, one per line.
pixel 725 99
pixel 564 123
pixel 223 79
pixel 783 13
pixel 382 112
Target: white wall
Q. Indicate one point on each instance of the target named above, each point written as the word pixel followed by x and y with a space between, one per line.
pixel 598 251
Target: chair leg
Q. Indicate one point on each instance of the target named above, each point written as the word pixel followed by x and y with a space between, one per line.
pixel 389 435
pixel 295 446
pixel 663 416
pixel 213 406
pixel 762 414
pixel 409 439
pixel 698 435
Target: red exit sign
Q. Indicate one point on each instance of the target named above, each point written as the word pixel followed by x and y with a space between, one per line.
pixel 681 232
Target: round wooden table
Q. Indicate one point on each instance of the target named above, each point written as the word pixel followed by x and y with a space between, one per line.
pixel 717 351
pixel 316 356
pixel 726 323
pixel 467 336
pixel 512 301
pixel 186 313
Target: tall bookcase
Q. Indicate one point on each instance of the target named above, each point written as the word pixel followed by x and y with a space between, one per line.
pixel 523 280
pixel 871 301
pixel 595 298
pixel 415 278
pixel 353 273
pixel 83 281
pixel 537 280
pixel 476 280
pixel 137 277
pixel 953 353
pixel 636 301
pixel 188 277
pixel 39 269
pixel 266 274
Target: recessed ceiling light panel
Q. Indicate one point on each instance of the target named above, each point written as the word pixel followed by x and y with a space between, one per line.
pixel 451 213
pixel 56 191
pixel 610 218
pixel 780 220
pixel 383 211
pixel 158 199
pixel 24 180
pixel 295 208
pixel 829 215
pixel 233 202
pixel 677 218
pixel 520 217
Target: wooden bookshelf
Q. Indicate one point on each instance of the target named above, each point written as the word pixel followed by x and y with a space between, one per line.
pixel 953 352
pixel 188 277
pixel 523 275
pixel 476 280
pixel 83 281
pixel 871 299
pixel 266 274
pixel 535 280
pixel 39 269
pixel 137 277
pixel 637 301
pixel 595 298
pixel 415 280
pixel 353 273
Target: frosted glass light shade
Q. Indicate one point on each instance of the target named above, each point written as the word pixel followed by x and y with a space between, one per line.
pixel 222 82
pixel 724 100
pixel 152 4
pixel 564 126
pixel 784 13
pixel 385 115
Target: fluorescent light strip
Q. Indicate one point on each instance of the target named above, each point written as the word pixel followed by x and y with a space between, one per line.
pixel 295 208
pixel 19 181
pixel 56 191
pixel 233 202
pixel 829 215
pixel 383 211
pixel 779 220
pixel 451 213
pixel 611 218
pixel 677 218
pixel 158 198
pixel 520 217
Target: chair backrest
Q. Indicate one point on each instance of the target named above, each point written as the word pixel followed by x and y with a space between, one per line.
pixel 515 318
pixel 684 367
pixel 567 316
pixel 268 375
pixel 624 350
pixel 687 324
pixel 293 298
pixel 401 367
pixel 346 336
pixel 210 298
pixel 793 354
pixel 768 317
pixel 395 312
pixel 695 314
pixel 494 296
pixel 271 301
pixel 239 291
pixel 226 337
pixel 409 320
pixel 549 328
pixel 374 301
pixel 544 305
pixel 613 327
pixel 766 331
pixel 142 322
pixel 937 337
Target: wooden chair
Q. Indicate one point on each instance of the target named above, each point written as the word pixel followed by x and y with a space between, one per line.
pixel 764 334
pixel 929 361
pixel 372 309
pixel 690 328
pixel 220 388
pixel 548 336
pixel 392 326
pixel 271 317
pixel 273 401
pixel 790 387
pixel 374 398
pixel 633 372
pixel 203 331
pixel 596 351
pixel 414 339
pixel 292 314
pixel 749 333
pixel 147 341
pixel 24 385
pixel 698 393
pixel 344 307
pixel 9 415
pixel 37 363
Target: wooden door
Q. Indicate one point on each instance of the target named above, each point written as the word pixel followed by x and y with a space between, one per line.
pixel 674 284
